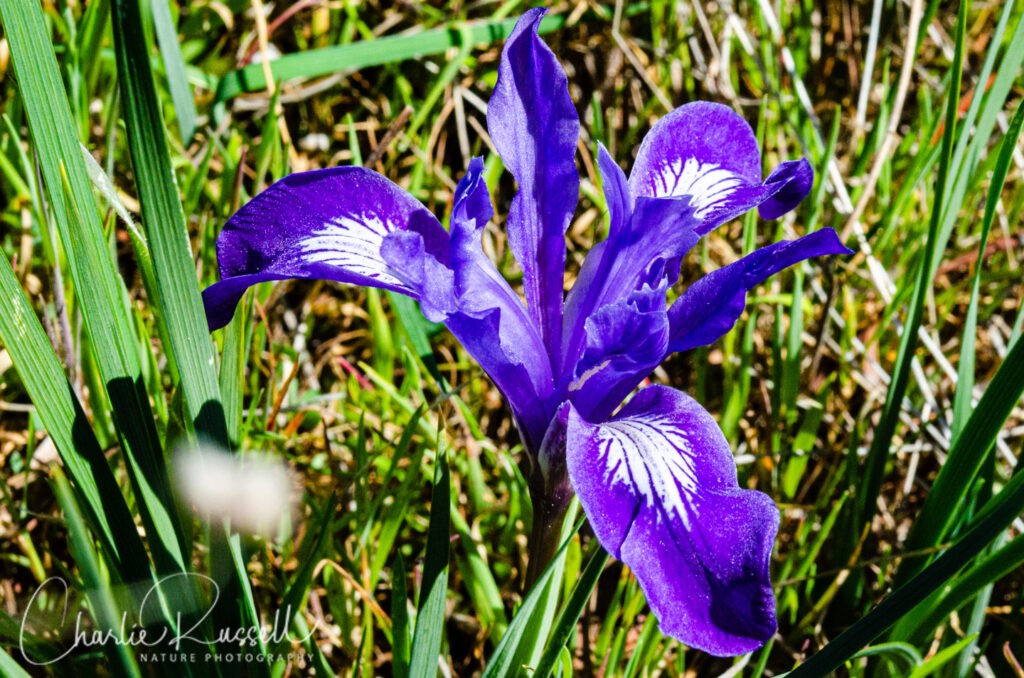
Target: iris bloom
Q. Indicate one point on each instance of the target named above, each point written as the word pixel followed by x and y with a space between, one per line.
pixel 656 478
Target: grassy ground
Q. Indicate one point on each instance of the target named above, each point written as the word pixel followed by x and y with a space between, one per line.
pixel 831 406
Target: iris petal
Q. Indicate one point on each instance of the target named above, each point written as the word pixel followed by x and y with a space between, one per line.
pixel 325 224
pixel 490 320
pixel 646 239
pixel 352 225
pixel 710 307
pixel 658 484
pixel 707 152
pixel 534 126
pixel 477 305
pixel 624 342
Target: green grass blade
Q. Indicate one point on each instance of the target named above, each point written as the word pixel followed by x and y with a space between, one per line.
pixel 566 624
pixel 399 619
pixel 140 246
pixel 908 653
pixel 365 53
pixel 990 568
pixel 98 591
pixel 965 157
pixel 479 578
pixel 503 662
pixel 62 415
pixel 965 369
pixel 416 327
pixel 174 68
pixel 181 303
pixel 535 640
pixel 942 657
pixel 91 34
pixel 965 458
pixel 106 322
pixel 1006 506
pixel 10 668
pixel 395 516
pixel 232 371
pixel 426 642
pixel 878 454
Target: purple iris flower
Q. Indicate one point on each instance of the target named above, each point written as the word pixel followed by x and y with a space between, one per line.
pixel 656 478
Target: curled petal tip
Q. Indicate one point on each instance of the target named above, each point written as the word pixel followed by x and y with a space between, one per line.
pixel 794 180
pixel 532 16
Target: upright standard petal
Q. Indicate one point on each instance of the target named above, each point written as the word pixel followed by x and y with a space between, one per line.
pixel 490 320
pixel 472 299
pixel 658 484
pixel 706 151
pixel 710 307
pixel 586 290
pixel 645 249
pixel 535 129
pixel 327 224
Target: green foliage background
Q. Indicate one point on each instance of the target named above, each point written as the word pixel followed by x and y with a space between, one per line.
pixel 875 397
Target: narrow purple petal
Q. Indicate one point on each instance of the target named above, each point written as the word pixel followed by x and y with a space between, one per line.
pixel 706 151
pixel 535 128
pixel 658 484
pixel 482 311
pixel 616 192
pixel 624 342
pixel 508 345
pixel 586 290
pixel 710 307
pixel 326 224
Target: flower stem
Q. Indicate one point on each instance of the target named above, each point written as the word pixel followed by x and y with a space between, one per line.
pixel 545 537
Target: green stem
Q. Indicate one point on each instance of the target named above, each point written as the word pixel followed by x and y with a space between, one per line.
pixel 548 517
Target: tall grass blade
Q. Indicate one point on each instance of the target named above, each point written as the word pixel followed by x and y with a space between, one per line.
pixel 106 322
pixel 365 53
pixel 164 221
pixel 995 517
pixel 918 626
pixel 966 156
pixel 232 371
pixel 399 619
pixel 98 591
pixel 878 454
pixel 174 68
pixel 503 662
pixel 416 327
pixel 11 668
pixel 566 624
pixel 965 459
pixel 66 422
pixel 965 368
pixel 426 641
pixel 143 258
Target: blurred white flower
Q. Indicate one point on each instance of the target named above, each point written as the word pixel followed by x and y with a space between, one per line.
pixel 315 142
pixel 254 492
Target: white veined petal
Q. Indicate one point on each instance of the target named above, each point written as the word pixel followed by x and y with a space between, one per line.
pixel 654 456
pixel 708 184
pixel 351 242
